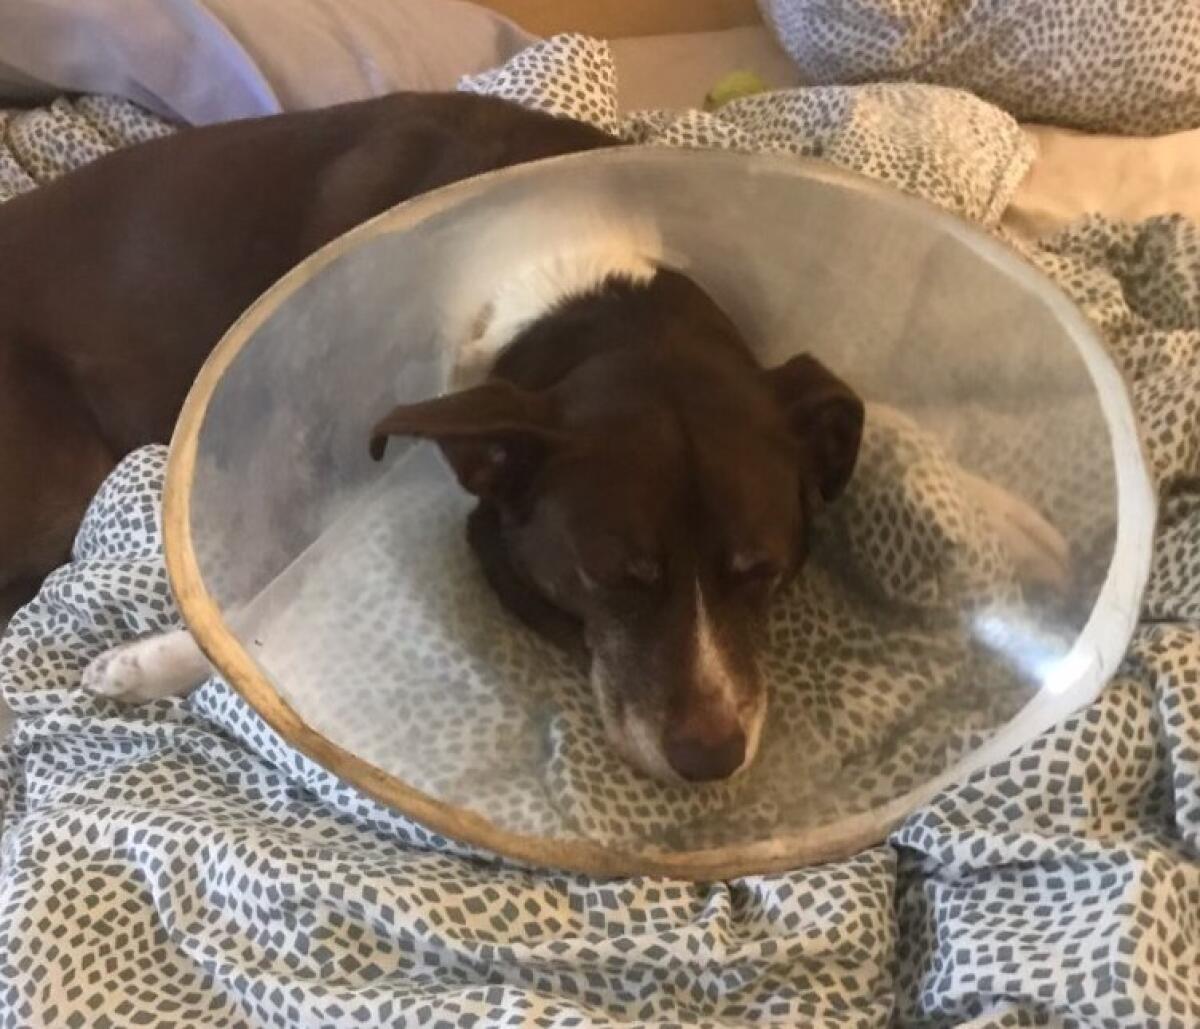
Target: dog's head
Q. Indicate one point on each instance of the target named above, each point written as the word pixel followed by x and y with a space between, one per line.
pixel 657 486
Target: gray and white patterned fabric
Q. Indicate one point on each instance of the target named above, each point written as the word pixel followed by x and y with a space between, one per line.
pixel 1126 67
pixel 178 864
pixel 39 144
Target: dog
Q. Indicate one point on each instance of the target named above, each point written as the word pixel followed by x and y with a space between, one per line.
pixel 643 486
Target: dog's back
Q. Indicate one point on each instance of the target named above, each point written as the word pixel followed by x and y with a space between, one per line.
pixel 121 277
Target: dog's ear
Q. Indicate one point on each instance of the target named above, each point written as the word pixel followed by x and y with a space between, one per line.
pixel 493 436
pixel 826 418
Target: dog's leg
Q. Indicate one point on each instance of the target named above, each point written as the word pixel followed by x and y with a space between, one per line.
pixel 170 664
pixel 1036 547
pixel 166 664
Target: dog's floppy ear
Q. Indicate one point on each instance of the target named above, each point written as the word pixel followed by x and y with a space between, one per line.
pixel 826 417
pixel 493 436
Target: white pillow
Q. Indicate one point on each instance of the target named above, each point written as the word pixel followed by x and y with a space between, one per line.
pixel 201 61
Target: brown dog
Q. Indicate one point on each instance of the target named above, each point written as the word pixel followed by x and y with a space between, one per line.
pixel 644 489
pixel 120 278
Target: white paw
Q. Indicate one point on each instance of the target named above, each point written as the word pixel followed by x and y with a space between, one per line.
pixel 118 674
pixel 1037 549
pixel 165 665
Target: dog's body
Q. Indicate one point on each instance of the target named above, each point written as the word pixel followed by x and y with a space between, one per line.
pixel 602 370
pixel 120 278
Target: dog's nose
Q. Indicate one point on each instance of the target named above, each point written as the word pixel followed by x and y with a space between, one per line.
pixel 705 760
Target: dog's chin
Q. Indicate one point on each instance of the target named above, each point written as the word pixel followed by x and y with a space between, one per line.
pixel 629 738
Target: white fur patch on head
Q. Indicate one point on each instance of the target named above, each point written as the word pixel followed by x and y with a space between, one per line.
pixel 711 668
pixel 753 732
pixel 714 675
pixel 575 262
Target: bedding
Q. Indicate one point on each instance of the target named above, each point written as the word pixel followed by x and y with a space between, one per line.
pixel 180 860
pixel 1073 174
pixel 195 63
pixel 1124 177
pixel 1106 67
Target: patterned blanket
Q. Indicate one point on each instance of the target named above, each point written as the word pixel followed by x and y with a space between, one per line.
pixel 179 865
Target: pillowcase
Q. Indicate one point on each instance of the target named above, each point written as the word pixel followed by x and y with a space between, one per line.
pixel 200 61
pixel 1111 67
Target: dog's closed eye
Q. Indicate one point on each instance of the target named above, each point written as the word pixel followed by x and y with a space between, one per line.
pixel 755 570
pixel 644 571
pixel 639 573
